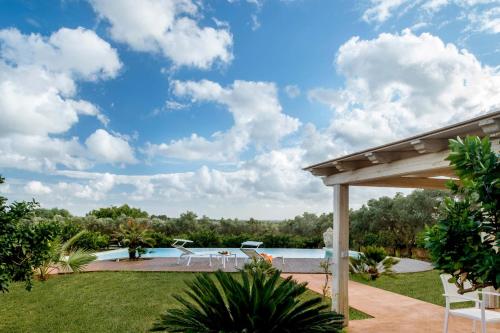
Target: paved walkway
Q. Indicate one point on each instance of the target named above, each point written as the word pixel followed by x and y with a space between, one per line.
pixel 393 313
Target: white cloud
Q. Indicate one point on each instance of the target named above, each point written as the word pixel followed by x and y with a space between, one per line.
pixel 38 95
pixel 292 90
pixel 381 10
pixel 105 147
pixel 36 187
pixel 400 84
pixel 78 52
pixel 481 15
pixel 169 27
pixel 256 111
pixel 485 20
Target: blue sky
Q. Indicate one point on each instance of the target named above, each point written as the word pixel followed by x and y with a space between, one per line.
pixel 214 106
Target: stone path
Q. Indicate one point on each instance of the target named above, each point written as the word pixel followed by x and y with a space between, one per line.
pixel 407 265
pixel 394 313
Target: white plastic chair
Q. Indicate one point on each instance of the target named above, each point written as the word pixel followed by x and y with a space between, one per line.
pixel 478 313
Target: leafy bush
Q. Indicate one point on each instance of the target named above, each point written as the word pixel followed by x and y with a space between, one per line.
pixel 465 241
pixel 372 263
pixel 251 302
pixel 92 240
pixel 23 244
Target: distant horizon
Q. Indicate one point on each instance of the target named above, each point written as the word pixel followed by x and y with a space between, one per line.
pixel 217 106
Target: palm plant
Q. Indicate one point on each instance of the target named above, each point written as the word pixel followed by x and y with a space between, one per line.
pixel 252 301
pixel 372 263
pixel 135 236
pixel 64 257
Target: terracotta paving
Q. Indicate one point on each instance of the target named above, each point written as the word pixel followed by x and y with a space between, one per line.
pixel 394 313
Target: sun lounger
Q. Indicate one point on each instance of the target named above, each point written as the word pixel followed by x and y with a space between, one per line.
pixel 179 244
pixel 249 249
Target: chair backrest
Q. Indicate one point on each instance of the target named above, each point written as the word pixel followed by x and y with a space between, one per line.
pixel 251 244
pixel 251 253
pixel 451 289
pixel 182 249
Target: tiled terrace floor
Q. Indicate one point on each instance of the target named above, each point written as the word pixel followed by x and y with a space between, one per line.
pixel 394 313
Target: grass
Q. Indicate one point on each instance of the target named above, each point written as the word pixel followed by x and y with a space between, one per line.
pixel 425 286
pixel 94 302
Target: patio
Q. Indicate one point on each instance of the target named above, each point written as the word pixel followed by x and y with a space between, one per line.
pixel 393 313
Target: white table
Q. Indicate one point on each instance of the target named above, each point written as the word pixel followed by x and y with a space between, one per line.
pixel 224 258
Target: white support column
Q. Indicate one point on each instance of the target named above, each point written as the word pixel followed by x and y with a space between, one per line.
pixel 340 268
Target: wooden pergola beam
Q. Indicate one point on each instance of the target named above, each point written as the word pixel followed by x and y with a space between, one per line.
pixel 409 166
pixel 407 182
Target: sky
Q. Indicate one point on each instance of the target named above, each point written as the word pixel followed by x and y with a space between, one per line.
pixel 216 106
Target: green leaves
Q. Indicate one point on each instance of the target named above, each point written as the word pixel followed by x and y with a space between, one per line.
pixel 252 301
pixel 463 241
pixel 23 244
pixel 134 235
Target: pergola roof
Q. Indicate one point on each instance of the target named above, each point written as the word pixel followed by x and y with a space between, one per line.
pixel 417 161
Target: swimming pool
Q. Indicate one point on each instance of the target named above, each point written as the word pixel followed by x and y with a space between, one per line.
pixel 174 253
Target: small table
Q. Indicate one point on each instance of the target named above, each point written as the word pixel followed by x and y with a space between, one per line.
pixel 224 257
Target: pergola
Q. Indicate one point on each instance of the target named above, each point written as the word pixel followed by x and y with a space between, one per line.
pixel 415 162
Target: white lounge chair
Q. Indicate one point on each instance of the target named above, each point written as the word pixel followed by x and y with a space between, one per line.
pixel 189 254
pixel 249 249
pixel 478 313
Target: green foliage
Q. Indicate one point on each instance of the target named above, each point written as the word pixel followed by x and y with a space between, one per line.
pixel 254 302
pixel 135 236
pixel 259 265
pixel 114 212
pixel 372 263
pixel 23 245
pixel 65 257
pixel 464 242
pixel 394 222
pixel 92 240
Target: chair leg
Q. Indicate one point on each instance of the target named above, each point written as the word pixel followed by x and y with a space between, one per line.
pixel 474 326
pixel 446 317
pixel 483 327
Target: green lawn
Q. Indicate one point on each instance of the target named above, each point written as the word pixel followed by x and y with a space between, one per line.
pixel 425 286
pixel 94 302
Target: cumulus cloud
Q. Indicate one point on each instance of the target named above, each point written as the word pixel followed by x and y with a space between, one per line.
pixel 105 147
pixel 36 187
pixel 399 84
pixel 256 111
pixel 169 27
pixel 38 94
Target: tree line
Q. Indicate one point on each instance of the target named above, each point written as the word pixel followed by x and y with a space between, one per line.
pixel 394 223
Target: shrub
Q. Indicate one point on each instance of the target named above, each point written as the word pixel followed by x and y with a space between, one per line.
pixel 92 240
pixel 372 263
pixel 254 301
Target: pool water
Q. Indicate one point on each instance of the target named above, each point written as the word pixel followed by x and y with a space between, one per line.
pixel 174 253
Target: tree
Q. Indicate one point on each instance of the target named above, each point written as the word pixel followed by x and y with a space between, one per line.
pixel 115 212
pixel 134 235
pixel 466 238
pixel 23 245
pixel 255 301
pixel 65 257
